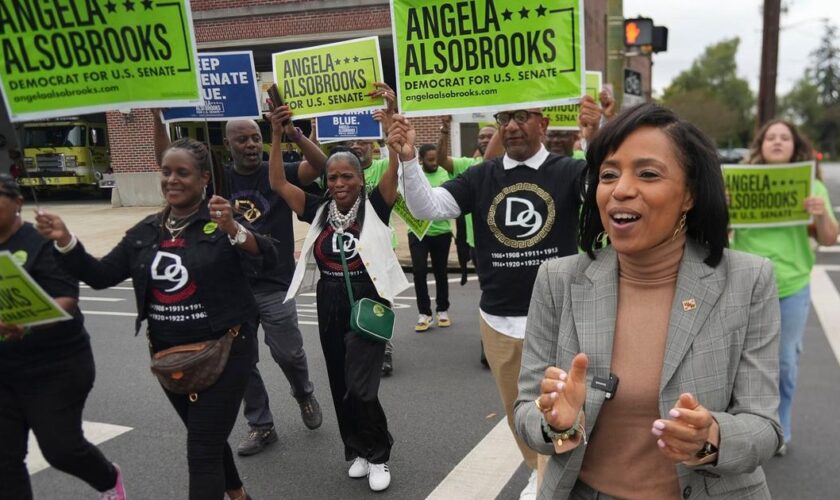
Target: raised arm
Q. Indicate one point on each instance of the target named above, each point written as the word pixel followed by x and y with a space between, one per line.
pixel 423 201
pixel 400 143
pixel 291 194
pixel 444 160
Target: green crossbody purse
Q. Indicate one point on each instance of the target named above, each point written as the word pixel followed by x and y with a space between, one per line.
pixel 369 318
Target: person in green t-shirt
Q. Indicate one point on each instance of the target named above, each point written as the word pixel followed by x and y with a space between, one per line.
pixel 434 243
pixel 789 249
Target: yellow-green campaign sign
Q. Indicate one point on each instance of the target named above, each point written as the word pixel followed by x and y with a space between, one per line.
pixel 22 301
pixel 565 117
pixel 328 79
pixel 768 195
pixel 415 225
pixel 67 57
pixel 460 56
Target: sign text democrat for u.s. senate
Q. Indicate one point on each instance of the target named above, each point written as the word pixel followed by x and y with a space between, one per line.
pixel 472 55
pixel 329 79
pixel 769 195
pixel 64 57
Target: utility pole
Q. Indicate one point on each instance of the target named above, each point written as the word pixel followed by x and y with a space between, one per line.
pixel 615 49
pixel 769 62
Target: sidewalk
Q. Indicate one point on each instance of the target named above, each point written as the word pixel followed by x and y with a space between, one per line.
pixel 101 227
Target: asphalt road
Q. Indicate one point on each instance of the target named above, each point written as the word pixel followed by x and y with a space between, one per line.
pixel 440 404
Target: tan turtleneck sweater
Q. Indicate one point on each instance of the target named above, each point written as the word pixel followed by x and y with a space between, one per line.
pixel 622 458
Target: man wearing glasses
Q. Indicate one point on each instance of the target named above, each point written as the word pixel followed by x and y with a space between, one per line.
pixel 525 211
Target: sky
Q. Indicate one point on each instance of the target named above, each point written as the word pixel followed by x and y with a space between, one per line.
pixel 694 24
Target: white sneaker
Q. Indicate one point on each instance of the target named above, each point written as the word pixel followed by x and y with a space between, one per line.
pixel 443 319
pixel 530 491
pixel 379 477
pixel 359 468
pixel 424 322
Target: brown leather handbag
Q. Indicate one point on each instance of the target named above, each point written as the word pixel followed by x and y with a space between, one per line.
pixel 191 368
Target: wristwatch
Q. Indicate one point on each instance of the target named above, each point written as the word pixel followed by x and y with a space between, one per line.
pixel 240 237
pixel 706 450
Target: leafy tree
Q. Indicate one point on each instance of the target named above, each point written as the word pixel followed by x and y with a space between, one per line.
pixel 814 102
pixel 712 86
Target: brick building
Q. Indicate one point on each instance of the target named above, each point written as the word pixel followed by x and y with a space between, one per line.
pixel 268 26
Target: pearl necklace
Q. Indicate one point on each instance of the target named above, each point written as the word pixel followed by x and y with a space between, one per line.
pixel 340 221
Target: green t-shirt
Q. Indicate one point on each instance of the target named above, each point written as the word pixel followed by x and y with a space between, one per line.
pixel 438 227
pixel 459 166
pixel 788 248
pixel 373 174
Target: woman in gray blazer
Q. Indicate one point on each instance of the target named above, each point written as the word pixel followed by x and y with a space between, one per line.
pixel 650 365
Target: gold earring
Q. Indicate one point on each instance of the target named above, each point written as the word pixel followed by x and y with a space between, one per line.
pixel 679 228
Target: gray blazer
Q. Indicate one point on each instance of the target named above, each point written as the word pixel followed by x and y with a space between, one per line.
pixel 724 351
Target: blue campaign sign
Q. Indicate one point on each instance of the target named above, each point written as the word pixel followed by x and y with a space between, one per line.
pixel 348 126
pixel 229 88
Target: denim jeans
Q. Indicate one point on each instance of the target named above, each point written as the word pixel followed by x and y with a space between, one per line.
pixel 284 341
pixel 794 311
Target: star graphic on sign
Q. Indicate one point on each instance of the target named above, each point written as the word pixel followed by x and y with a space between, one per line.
pixel 523 13
pixel 337 60
pixel 147 4
pixel 355 58
pixel 346 60
pixel 111 6
pixel 541 10
pixel 506 14
pixel 129 5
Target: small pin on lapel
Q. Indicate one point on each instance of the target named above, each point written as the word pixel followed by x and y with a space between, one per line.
pixel 689 305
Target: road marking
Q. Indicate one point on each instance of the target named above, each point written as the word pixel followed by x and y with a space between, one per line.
pixel 95 432
pixel 826 301
pixel 486 469
pixel 108 313
pixel 101 299
pixel 832 249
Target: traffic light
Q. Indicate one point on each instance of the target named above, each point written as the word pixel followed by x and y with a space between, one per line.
pixel 638 32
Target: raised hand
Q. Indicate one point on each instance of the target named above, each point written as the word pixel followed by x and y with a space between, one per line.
pixel 281 121
pixel 52 227
pixel 589 118
pixel 402 137
pixel 222 214
pixel 562 394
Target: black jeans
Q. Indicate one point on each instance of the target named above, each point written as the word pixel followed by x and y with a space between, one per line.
pixel 210 419
pixel 438 248
pixel 354 366
pixel 49 398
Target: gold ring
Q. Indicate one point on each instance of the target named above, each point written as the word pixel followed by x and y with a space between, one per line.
pixel 537 403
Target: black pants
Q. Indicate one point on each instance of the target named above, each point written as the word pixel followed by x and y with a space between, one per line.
pixel 354 366
pixel 438 248
pixel 49 398
pixel 209 421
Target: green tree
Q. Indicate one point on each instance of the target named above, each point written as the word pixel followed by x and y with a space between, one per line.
pixel 712 86
pixel 813 104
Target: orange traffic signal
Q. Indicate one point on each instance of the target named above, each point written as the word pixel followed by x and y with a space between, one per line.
pixel 638 32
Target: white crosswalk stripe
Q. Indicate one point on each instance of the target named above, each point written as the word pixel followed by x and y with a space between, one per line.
pixel 95 432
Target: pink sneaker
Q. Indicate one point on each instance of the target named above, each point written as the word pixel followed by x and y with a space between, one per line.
pixel 118 491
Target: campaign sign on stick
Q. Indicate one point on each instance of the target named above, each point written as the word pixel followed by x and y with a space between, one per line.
pixel 73 57
pixel 769 195
pixel 22 301
pixel 229 87
pixel 415 225
pixel 462 56
pixel 565 117
pixel 348 126
pixel 330 79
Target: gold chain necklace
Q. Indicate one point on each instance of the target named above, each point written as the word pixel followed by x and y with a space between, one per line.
pixel 177 226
